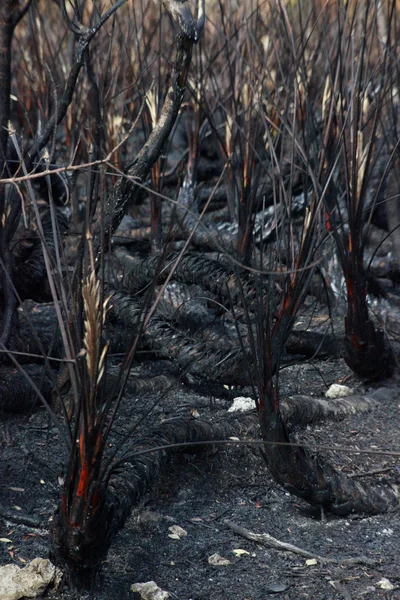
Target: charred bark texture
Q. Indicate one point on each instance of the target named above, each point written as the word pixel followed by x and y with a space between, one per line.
pixel 212 275
pixel 192 353
pixel 304 410
pixel 367 351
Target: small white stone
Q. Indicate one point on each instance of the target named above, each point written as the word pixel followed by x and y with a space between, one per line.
pixel 177 532
pixel 242 404
pixel 149 591
pixel 338 391
pixel 385 584
pixel 218 560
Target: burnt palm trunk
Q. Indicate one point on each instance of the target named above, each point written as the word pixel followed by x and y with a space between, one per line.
pixel 80 541
pixel 367 352
pixel 311 478
pixel 295 468
pixel 352 133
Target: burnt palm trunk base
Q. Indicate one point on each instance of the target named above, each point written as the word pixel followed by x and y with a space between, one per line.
pixel 367 351
pixel 80 551
pixel 316 481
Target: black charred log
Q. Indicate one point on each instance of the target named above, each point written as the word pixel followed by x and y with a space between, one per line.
pixel 193 354
pixel 210 274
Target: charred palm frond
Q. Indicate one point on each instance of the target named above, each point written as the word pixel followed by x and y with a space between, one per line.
pixel 352 131
pixel 211 274
pixel 199 343
pixel 190 222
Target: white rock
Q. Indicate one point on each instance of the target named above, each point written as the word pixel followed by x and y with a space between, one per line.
pixel 385 584
pixel 177 532
pixel 242 404
pixel 28 582
pixel 149 591
pixel 338 391
pixel 218 560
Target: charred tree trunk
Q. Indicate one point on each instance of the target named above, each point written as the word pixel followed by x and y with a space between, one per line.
pixel 367 352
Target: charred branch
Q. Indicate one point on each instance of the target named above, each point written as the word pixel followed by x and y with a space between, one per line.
pixel 85 36
pixel 188 33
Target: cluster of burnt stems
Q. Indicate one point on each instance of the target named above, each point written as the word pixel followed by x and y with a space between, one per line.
pixel 256 271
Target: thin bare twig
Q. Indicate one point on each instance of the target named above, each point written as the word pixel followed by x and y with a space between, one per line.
pixel 268 540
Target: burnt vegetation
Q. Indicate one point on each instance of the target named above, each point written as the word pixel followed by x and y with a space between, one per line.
pixel 179 182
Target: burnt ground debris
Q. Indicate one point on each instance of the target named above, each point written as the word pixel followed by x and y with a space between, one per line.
pixel 199 489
